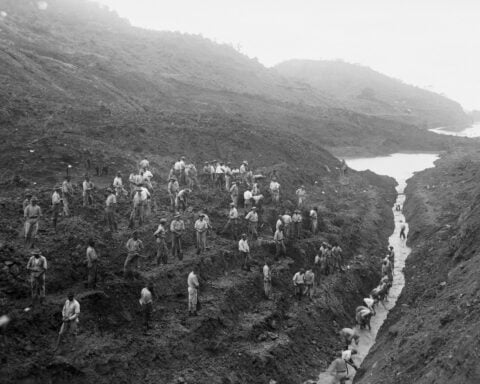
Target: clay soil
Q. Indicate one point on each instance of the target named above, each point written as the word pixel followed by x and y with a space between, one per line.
pixel 432 335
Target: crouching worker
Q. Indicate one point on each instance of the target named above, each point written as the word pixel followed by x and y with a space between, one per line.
pixel 348 335
pixel 363 316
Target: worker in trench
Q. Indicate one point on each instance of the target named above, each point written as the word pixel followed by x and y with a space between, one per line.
pixel 349 335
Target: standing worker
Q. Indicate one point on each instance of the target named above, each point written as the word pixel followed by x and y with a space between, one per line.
pixel 110 205
pixel 309 283
pixel 134 248
pixel 297 223
pixel 267 279
pixel 87 188
pixel 70 314
pixel 161 235
pixel 146 302
pixel 201 228
pixel 244 250
pixel 56 206
pixel 275 190
pixel 232 222
pixel 177 228
pixel 279 239
pixel 403 229
pixel 314 220
pixel 67 196
pixel 32 214
pixel 192 282
pixel 301 195
pixel 234 193
pixel 37 266
pixel 252 219
pixel 299 283
pixel 173 189
pixel 92 265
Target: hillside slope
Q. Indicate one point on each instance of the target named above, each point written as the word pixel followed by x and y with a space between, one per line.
pixel 432 335
pixel 75 65
pixel 364 90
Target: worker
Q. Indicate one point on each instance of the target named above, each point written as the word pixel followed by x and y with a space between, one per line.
pixel 26 202
pixel 347 335
pixel 301 196
pixel 219 175
pixel 56 205
pixel 118 186
pixel 146 303
pixel 37 266
pixel 257 201
pixel 178 170
pixel 177 229
pixel 287 224
pixel 275 191
pixel 234 193
pixel 110 206
pixel 87 188
pixel 147 177
pixel 244 250
pixel 232 222
pixel 297 223
pixel 70 318
pixel 309 282
pixel 279 239
pixel 67 195
pixel 247 199
pixel 228 175
pixel 243 170
pixel 144 164
pixel 201 227
pixel 299 283
pixel 279 222
pixel 387 269
pixel 32 214
pixel 370 304
pixel 173 189
pixel 252 220
pixel 191 175
pixel 267 279
pixel 140 198
pixel 193 285
pixel 160 236
pixel 363 316
pixel 314 220
pixel 339 370
pixel 403 229
pixel 134 248
pixel 181 200
pixel 92 264
pixel 255 189
pixel 337 256
pixel 391 256
pixel 206 174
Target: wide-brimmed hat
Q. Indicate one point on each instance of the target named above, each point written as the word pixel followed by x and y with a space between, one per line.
pixel 162 221
pixel 35 252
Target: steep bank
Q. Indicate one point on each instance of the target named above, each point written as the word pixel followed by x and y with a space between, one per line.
pixel 432 335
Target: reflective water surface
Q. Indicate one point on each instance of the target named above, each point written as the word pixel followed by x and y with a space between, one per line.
pixel 473 131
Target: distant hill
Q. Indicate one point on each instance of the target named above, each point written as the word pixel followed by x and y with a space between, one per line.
pixel 78 69
pixel 364 90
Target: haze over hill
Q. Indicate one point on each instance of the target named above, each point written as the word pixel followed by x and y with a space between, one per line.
pixel 364 90
pixel 76 63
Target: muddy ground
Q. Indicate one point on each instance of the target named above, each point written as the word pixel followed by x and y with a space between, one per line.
pixel 238 337
pixel 432 335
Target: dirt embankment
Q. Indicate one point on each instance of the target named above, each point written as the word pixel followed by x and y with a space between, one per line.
pixel 238 337
pixel 433 333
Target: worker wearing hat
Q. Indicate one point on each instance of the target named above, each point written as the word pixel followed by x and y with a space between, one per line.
pixel 232 222
pixel 140 198
pixel 177 228
pixel 301 195
pixel 56 205
pixel 234 193
pixel 134 248
pixel 87 188
pixel 37 266
pixel 32 214
pixel 201 228
pixel 252 219
pixel 173 188
pixel 297 223
pixel 110 207
pixel 161 235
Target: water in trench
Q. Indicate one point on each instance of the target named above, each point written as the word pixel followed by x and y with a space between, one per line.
pixel 472 131
pixel 400 166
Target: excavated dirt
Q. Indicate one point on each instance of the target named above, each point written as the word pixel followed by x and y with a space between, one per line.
pixel 432 335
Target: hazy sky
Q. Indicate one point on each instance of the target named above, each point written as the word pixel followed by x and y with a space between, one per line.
pixel 434 44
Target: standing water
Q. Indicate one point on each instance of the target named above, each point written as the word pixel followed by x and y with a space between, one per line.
pixel 400 166
pixel 472 131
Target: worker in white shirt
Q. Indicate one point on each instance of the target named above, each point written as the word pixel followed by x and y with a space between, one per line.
pixel 192 282
pixel 301 195
pixel 118 185
pixel 279 239
pixel 287 224
pixel 314 220
pixel 181 200
pixel 299 283
pixel 146 303
pixel 177 229
pixel 234 193
pixel 228 175
pixel 134 248
pixel 275 191
pixel 56 205
pixel 297 223
pixel 243 170
pixel 139 204
pixel 232 222
pixel 32 214
pixel 252 220
pixel 173 189
pixel 37 266
pixel 144 164
pixel 244 250
pixel 70 314
pixel 178 170
pixel 370 303
pixel 267 280
pixel 87 188
pixel 191 176
pixel 67 195
pixel 201 227
pixel 147 179
pixel 309 282
pixel 219 175
pixel 92 264
pixel 347 335
pixel 247 199
pixel 160 236
pixel 110 207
